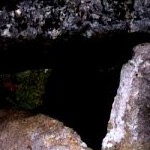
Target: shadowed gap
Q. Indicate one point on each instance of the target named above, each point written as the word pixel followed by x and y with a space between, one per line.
pixel 84 79
pixel 84 82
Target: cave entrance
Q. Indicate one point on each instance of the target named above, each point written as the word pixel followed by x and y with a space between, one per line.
pixel 84 79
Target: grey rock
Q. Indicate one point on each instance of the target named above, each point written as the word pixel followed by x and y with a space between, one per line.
pixel 141 17
pixel 20 130
pixel 52 19
pixel 129 124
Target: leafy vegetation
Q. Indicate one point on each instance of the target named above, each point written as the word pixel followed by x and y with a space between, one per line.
pixel 25 89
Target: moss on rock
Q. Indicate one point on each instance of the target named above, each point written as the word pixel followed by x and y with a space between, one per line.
pixel 25 89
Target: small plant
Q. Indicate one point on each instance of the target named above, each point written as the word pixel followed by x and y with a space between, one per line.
pixel 25 89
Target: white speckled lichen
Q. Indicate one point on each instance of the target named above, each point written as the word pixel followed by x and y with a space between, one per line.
pixel 125 122
pixel 52 19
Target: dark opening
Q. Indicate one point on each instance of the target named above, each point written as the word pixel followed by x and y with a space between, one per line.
pixel 84 79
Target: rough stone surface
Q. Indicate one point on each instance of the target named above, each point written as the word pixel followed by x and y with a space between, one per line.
pixel 141 16
pixel 129 124
pixel 23 131
pixel 28 19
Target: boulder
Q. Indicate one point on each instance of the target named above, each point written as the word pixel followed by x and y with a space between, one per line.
pixel 20 130
pixel 129 124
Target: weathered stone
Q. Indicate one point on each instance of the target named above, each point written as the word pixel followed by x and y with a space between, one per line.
pixel 27 19
pixel 24 89
pixel 129 124
pixel 23 20
pixel 141 16
pixel 51 19
pixel 23 131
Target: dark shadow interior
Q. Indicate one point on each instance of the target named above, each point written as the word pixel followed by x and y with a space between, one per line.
pixel 84 79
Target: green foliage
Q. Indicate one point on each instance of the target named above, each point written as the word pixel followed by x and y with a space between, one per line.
pixel 29 88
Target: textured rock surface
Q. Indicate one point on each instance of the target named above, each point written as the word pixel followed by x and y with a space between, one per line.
pixel 50 19
pixel 21 131
pixel 29 19
pixel 141 16
pixel 129 124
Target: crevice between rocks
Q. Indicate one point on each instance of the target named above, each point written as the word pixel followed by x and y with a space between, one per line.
pixel 84 80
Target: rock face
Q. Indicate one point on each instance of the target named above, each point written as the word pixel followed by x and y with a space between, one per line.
pixel 22 131
pixel 29 19
pixel 129 124
pixel 141 16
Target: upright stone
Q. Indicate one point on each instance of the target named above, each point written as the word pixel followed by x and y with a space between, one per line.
pixel 129 124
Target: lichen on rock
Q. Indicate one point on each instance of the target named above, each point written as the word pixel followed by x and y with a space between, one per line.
pixel 129 124
pixel 23 131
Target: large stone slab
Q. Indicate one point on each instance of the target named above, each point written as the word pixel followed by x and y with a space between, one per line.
pixel 129 124
pixel 27 19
